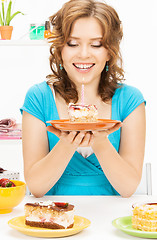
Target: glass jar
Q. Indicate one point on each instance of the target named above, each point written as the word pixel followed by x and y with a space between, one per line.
pixel 36 31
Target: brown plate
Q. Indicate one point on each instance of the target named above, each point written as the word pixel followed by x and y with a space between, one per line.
pixel 66 125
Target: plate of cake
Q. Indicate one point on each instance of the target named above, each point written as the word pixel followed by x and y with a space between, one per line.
pixel 83 118
pixel 142 223
pixel 49 219
pixel 66 125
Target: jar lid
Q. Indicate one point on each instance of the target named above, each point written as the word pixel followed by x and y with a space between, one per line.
pixel 37 24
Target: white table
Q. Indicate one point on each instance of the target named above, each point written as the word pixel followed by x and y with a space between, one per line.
pixel 100 210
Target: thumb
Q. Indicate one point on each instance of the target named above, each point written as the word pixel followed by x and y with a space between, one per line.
pixel 115 128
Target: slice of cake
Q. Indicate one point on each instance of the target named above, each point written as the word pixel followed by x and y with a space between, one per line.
pixel 145 217
pixel 53 215
pixel 83 113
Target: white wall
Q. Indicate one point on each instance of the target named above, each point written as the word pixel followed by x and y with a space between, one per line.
pixel 22 66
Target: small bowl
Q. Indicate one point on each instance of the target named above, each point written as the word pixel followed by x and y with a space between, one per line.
pixel 10 197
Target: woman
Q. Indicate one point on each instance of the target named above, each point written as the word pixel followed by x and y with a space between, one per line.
pixel 84 49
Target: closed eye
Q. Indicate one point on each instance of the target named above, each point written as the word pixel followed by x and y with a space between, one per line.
pixel 96 45
pixel 70 44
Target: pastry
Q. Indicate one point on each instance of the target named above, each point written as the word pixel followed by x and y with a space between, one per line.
pixel 83 113
pixel 53 215
pixel 145 217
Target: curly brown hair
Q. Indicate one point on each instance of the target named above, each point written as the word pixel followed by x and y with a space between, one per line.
pixel 112 34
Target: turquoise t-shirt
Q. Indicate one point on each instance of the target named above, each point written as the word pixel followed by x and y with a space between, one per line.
pixel 82 176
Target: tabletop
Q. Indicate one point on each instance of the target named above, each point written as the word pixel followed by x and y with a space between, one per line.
pixel 100 210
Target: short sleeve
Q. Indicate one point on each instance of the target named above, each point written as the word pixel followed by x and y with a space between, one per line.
pixel 130 99
pixel 34 103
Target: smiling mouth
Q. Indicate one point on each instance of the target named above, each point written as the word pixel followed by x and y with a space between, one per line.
pixel 83 65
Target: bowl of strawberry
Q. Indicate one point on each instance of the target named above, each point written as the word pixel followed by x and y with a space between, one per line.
pixel 12 193
pixel 5 182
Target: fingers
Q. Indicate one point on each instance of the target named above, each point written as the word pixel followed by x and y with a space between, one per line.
pixel 82 139
pixel 68 136
pixel 87 140
pixel 56 131
pixel 104 133
pixel 78 139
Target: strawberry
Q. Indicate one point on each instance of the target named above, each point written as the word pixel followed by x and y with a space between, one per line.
pixel 42 219
pixel 7 183
pixel 52 220
pixel 61 204
pixel 4 183
pixel 12 184
pixel 2 180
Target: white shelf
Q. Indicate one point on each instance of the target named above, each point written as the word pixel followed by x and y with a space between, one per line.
pixel 10 141
pixel 24 43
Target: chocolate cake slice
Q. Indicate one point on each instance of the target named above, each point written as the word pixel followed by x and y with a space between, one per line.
pixel 53 215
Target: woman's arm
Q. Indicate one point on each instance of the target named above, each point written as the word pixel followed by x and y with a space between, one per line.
pixel 124 169
pixel 42 168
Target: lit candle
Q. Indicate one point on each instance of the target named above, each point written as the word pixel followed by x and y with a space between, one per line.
pixel 82 95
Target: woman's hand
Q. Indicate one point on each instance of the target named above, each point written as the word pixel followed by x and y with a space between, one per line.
pixel 76 139
pixel 105 133
pixel 82 138
pixel 54 130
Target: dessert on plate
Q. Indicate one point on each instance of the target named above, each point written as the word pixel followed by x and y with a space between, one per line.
pixel 82 113
pixel 145 217
pixel 48 214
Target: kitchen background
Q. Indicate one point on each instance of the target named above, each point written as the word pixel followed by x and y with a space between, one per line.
pixel 23 63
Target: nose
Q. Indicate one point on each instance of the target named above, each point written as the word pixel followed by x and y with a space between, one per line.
pixel 84 51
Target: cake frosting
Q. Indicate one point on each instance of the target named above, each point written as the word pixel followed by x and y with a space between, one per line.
pixel 48 214
pixel 145 217
pixel 83 113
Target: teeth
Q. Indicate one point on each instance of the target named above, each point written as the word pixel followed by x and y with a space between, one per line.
pixel 83 66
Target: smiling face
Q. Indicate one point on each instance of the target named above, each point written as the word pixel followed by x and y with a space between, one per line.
pixel 83 55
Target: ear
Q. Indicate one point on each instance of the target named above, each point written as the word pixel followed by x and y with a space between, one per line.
pixel 108 56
